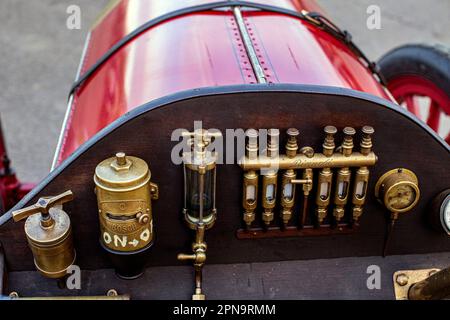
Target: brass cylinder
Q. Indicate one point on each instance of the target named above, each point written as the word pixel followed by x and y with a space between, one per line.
pixel 52 246
pixel 360 192
pixel 323 194
pixel 124 193
pixel 341 192
pixel 287 195
pixel 269 196
pixel 250 196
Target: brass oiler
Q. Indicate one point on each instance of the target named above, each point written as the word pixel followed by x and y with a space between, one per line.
pixel 49 234
pixel 199 198
pixel 124 194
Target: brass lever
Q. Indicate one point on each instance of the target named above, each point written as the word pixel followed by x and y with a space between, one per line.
pixel 43 206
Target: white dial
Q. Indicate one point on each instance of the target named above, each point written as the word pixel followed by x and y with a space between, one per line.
pixel 445 214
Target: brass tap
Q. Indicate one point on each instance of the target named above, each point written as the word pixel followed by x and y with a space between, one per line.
pixel 199 258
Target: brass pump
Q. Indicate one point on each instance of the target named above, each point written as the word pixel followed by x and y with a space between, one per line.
pixel 49 234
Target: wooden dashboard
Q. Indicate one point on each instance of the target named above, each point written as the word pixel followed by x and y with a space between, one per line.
pixel 399 141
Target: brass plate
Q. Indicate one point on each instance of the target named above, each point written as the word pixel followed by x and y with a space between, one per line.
pixel 412 277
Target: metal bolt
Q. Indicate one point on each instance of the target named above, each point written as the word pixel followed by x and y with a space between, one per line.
pixel 112 293
pixel 402 279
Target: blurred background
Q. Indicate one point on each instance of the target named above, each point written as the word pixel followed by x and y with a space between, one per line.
pixel 39 58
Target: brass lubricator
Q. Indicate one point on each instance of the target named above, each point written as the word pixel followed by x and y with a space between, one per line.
pixel 270 178
pixel 199 198
pixel 342 160
pixel 124 194
pixel 362 175
pixel 398 190
pixel 325 177
pixel 343 177
pixel 287 184
pixel 49 234
pixel 250 189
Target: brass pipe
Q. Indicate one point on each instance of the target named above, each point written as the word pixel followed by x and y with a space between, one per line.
pixel 317 161
pixel 435 287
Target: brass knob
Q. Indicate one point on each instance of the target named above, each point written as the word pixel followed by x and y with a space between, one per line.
pixel 328 144
pixel 43 207
pixel 366 141
pixel 292 144
pixel 347 145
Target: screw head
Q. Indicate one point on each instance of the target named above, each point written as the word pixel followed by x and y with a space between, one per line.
pixel 402 279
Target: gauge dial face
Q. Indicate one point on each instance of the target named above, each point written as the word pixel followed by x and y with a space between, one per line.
pixel 445 214
pixel 400 197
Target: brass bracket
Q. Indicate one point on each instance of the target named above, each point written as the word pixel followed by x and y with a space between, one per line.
pixel 404 279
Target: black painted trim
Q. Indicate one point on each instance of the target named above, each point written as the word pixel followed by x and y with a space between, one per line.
pixel 211 91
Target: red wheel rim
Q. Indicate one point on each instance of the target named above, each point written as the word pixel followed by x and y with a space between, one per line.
pixel 407 89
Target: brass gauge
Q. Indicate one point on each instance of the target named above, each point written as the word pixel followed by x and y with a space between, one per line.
pixel 439 212
pixel 398 190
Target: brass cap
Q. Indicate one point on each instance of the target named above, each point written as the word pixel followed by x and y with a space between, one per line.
pixel 57 232
pixel 121 173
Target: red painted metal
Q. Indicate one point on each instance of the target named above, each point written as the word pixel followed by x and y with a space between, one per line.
pixel 407 88
pixel 201 50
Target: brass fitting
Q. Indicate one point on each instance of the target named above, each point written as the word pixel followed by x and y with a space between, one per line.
pixel 347 145
pixel 328 144
pixel 250 184
pixel 199 258
pixel 325 176
pixel 292 143
pixel 343 177
pixel 49 234
pixel 366 141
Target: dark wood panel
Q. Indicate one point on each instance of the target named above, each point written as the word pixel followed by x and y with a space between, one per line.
pixel 342 278
pixel 398 141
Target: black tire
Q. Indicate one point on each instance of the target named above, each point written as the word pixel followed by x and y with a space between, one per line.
pixel 429 62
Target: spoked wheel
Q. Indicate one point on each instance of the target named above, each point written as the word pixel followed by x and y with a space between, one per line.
pixel 419 79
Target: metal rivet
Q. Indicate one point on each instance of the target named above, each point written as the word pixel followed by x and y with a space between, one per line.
pixel 402 279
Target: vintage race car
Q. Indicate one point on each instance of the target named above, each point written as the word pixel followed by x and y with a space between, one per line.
pixel 253 136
